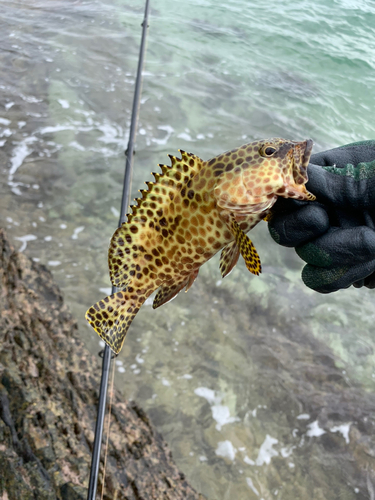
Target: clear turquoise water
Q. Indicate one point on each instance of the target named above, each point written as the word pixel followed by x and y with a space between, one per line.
pixel 262 388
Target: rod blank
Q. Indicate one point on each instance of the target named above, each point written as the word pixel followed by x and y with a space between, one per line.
pixel 95 462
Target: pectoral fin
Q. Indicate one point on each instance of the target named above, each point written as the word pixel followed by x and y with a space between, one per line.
pixel 247 249
pixel 228 258
pixel 268 217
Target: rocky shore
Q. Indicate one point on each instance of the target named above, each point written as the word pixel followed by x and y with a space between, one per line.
pixel 48 398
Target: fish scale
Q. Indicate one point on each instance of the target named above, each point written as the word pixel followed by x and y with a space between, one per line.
pixel 192 210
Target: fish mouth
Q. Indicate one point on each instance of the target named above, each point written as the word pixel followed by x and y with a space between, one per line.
pixel 307 153
pixel 301 153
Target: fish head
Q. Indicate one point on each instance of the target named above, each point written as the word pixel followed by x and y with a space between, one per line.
pixel 252 176
pixel 286 164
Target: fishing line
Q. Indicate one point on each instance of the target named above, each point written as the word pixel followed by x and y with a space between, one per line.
pixel 95 461
pixel 108 427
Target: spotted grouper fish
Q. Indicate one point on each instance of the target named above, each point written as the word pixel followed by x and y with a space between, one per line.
pixel 194 209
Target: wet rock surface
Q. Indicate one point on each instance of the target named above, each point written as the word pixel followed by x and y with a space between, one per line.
pixel 48 398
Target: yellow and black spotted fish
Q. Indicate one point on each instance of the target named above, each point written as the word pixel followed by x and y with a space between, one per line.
pixel 192 210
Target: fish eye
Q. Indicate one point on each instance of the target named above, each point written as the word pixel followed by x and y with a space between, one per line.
pixel 269 151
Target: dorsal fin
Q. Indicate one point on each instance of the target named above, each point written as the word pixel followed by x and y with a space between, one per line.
pixel 167 184
pixel 150 214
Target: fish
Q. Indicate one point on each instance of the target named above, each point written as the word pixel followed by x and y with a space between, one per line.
pixel 194 209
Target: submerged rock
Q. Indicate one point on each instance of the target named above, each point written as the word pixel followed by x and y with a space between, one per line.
pixel 48 400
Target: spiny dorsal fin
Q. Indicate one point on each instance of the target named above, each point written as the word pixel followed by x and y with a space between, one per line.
pixel 187 163
pixel 150 214
pixel 168 183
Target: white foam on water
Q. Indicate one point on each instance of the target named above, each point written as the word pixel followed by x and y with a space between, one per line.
pixel 20 152
pixel 343 429
pixel 56 128
pixel 84 112
pixel 63 103
pixel 207 394
pixel 54 263
pixel 266 451
pixel 315 430
pixel 166 128
pixel 6 132
pixel 303 416
pixel 226 449
pixel 251 486
pixel 76 145
pixel 77 231
pixel 30 99
pixel 248 460
pixel 221 415
pixel 286 452
pixel 139 359
pixel 185 137
pixel 25 239
pixel 107 291
pixel 4 121
pixel 111 133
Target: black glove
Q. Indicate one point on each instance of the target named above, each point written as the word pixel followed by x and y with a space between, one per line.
pixel 335 234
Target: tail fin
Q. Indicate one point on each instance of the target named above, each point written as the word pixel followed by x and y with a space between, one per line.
pixel 112 316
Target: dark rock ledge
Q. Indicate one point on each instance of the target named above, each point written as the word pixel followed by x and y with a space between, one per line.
pixel 48 397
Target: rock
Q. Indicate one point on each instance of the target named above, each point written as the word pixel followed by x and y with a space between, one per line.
pixel 48 401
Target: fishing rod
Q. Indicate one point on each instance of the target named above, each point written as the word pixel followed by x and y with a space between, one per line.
pixel 95 461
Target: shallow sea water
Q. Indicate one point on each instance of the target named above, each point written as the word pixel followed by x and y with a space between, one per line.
pixel 262 388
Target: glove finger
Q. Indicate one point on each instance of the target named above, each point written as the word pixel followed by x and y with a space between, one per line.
pixel 368 282
pixel 342 191
pixel 340 247
pixel 354 153
pixel 324 280
pixel 295 228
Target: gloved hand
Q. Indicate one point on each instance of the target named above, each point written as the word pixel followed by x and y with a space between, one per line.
pixel 335 235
